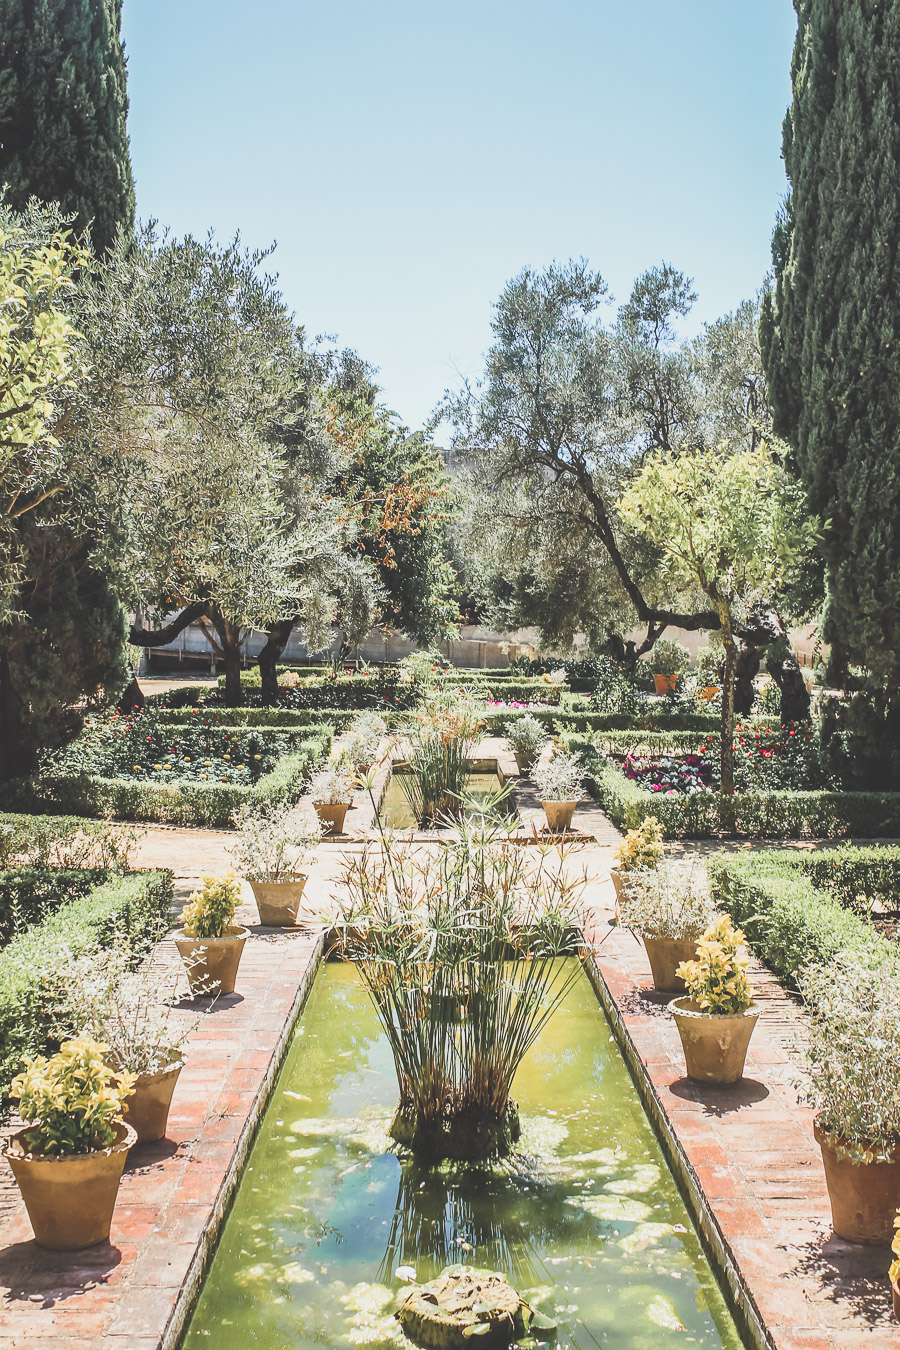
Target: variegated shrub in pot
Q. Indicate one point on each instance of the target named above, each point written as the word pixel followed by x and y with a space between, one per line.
pixel 560 781
pixel 669 909
pixel 716 1019
pixel 270 852
pixel 854 1085
pixel 68 1160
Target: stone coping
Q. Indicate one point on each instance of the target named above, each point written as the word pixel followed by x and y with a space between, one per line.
pixel 136 1291
pixel 746 1160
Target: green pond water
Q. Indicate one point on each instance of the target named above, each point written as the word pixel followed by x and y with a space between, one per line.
pixel 587 1222
pixel 396 812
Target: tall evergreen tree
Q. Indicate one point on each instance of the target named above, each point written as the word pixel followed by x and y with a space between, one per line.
pixel 830 334
pixel 63 109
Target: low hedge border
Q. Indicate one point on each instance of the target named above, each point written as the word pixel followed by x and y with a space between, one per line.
pixel 211 804
pixel 29 894
pixel 134 903
pixel 789 920
pixel 561 720
pixel 259 719
pixel 773 815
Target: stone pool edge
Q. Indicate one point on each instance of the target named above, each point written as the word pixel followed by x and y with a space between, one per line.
pixel 171 1336
pixel 725 1265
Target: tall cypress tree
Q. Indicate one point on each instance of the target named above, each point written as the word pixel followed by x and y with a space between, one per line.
pixel 63 109
pixel 831 332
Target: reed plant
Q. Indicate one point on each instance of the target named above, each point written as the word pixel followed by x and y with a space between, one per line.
pixel 460 948
pixel 441 741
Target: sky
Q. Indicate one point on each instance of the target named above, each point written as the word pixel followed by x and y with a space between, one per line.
pixel 410 156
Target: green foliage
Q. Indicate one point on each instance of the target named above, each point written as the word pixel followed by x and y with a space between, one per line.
pixel 270 847
pixel 669 657
pixel 790 920
pixel 641 849
pixel 184 803
pixel 526 735
pixel 210 911
pixel 668 901
pixel 135 905
pixel 717 980
pixel 442 740
pixel 63 842
pixel 73 1100
pixel 63 110
pixel 29 894
pixel 829 332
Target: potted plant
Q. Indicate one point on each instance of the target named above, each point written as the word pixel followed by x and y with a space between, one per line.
pixel 709 672
pixel 68 1160
pixel 332 794
pixel 527 738
pixel 268 854
pixel 668 660
pixel 128 1009
pixel 716 1019
pixel 364 738
pixel 854 1086
pixel 894 1268
pixel 560 781
pixel 669 910
pixel 210 942
pixel 639 851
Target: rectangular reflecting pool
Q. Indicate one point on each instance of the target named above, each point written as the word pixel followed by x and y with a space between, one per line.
pixel 586 1221
pixel 396 812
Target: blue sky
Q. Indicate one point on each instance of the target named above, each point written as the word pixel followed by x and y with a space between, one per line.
pixel 409 157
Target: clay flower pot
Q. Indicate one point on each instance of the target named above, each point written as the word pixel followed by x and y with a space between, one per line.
pixel 278 901
pixel 331 814
pixel 147 1109
pixel 70 1201
pixel 525 763
pixel 665 956
pixel 864 1197
pixel 559 815
pixel 895 1296
pixel 665 683
pixel 715 1044
pixel 211 963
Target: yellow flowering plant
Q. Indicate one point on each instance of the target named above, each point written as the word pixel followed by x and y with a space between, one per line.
pixel 73 1099
pixel 641 849
pixel 717 981
pixel 211 910
pixel 894 1267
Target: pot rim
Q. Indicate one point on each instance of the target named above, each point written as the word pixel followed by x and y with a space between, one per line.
pixel 333 804
pixel 836 1142
pixel 556 801
pixel 661 937
pixel 294 879
pixel 174 1065
pixel 234 933
pixel 14 1146
pixel 678 1010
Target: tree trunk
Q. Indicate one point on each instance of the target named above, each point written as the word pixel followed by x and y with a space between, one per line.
pixel 229 635
pixel 726 737
pixel 12 755
pixel 277 640
pixel 766 630
pixel 132 696
pixel 748 661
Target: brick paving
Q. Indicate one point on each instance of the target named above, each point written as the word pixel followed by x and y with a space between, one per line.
pixel 750 1165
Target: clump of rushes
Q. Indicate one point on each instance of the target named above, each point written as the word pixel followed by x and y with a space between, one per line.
pixel 717 981
pixel 459 951
pixel 641 849
pixel 73 1100
pixel 441 742
pixel 210 911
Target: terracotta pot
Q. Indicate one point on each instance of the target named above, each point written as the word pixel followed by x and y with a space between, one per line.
pixel 895 1296
pixel 525 763
pixel 665 683
pixel 559 815
pixel 211 963
pixel 665 956
pixel 70 1201
pixel 278 901
pixel 331 814
pixel 147 1109
pixel 715 1044
pixel 864 1197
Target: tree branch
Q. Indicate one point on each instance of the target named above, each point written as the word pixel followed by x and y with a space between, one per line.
pixel 158 637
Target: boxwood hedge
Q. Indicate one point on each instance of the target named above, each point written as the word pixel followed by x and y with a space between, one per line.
pixel 134 903
pixel 29 894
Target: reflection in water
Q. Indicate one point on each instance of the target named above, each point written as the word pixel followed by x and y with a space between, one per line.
pixel 585 1222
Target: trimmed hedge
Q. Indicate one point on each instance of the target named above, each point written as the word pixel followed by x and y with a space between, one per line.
pixel 62 842
pixel 29 894
pixel 183 803
pixel 641 724
pixel 774 815
pixel 134 903
pixel 260 719
pixel 789 920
